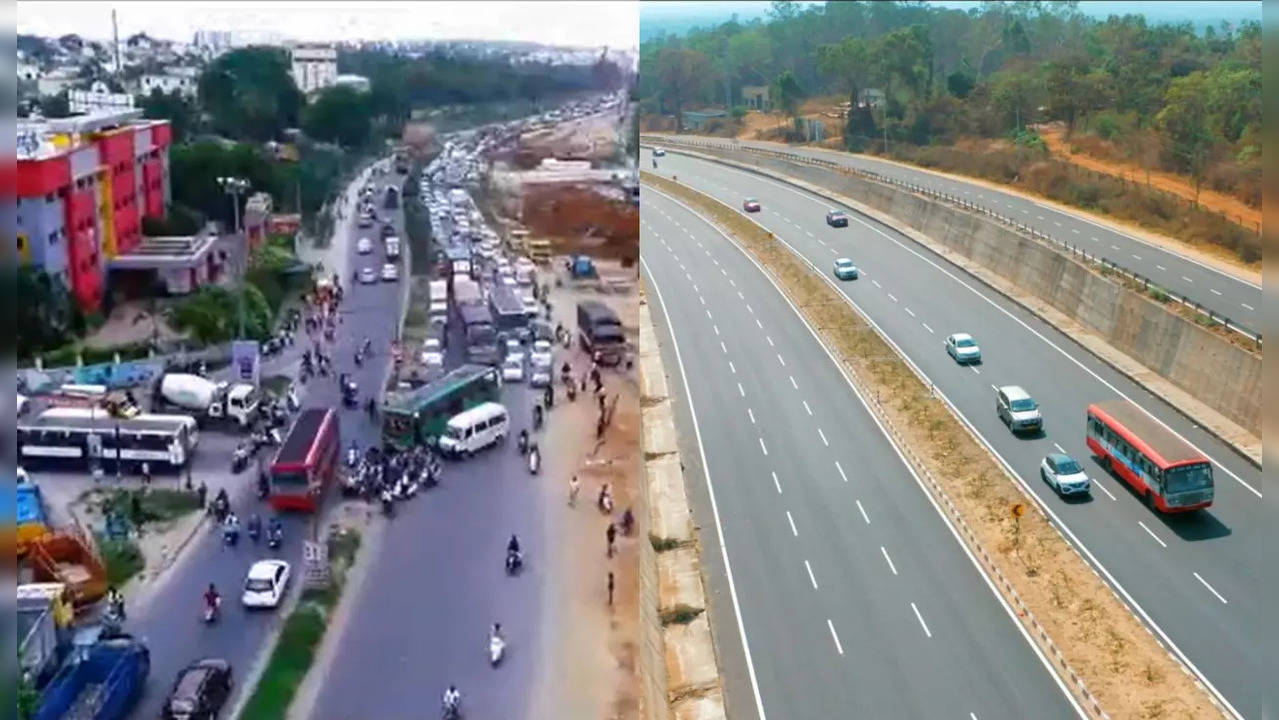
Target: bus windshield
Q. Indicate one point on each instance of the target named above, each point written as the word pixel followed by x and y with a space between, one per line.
pixel 1187 477
pixel 296 477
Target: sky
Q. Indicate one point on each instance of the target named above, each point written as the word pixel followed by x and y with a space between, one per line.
pixel 579 23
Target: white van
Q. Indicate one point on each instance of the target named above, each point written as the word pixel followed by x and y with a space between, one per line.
pixel 475 429
pixel 392 247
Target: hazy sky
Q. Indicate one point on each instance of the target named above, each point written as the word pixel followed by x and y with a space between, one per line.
pixel 590 24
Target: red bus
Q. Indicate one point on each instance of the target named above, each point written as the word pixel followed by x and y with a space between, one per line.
pixel 306 462
pixel 1165 470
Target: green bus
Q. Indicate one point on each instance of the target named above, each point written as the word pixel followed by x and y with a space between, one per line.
pixel 418 416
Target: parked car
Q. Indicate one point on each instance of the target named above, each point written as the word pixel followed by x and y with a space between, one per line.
pixel 846 270
pixel 390 273
pixel 200 691
pixel 1065 475
pixel 751 205
pixel 837 218
pixel 266 583
pixel 962 348
pixel 1018 409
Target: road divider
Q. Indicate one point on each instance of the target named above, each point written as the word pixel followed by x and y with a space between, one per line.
pixel 679 670
pixel 1126 322
pixel 1097 647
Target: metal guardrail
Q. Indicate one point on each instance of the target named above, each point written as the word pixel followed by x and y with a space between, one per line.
pixel 1092 259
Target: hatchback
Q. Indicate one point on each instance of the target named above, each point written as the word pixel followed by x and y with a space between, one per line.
pixel 751 205
pixel 845 269
pixel 837 218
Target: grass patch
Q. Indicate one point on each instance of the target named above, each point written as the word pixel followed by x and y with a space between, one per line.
pixel 154 505
pixel 122 559
pixel 680 615
pixel 300 638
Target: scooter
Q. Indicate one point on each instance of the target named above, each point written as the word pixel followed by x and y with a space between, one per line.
pixel 239 459
pixel 254 528
pixel 211 612
pixel 275 536
pixel 497 648
pixel 522 442
pixel 514 562
pixel 388 504
pixel 534 460
pixel 231 535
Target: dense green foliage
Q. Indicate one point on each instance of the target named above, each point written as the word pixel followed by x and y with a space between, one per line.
pixel 1168 96
pixel 248 93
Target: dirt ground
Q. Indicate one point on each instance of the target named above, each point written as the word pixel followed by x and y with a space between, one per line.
pixel 1054 135
pixel 578 219
pixel 589 671
pixel 588 138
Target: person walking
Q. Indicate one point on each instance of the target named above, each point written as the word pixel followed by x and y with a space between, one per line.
pixel 146 474
pixel 202 493
pixel 611 535
pixel 610 587
pixel 573 488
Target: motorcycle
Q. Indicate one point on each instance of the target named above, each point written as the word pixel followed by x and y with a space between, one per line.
pixel 112 622
pixel 240 459
pixel 212 610
pixel 231 535
pixel 534 460
pixel 275 535
pixel 254 528
pixel 497 648
pixel 514 562
pixel 522 442
pixel 388 504
pixel 452 711
pixel 352 457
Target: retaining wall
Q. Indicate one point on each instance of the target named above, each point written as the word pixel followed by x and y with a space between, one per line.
pixel 1193 358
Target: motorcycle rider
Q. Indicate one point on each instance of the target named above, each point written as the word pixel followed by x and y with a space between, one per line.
pixel 452 698
pixel 523 441
pixel 212 599
pixel 231 526
pixel 275 530
pixel 254 527
pixel 264 484
pixel 115 602
pixel 513 547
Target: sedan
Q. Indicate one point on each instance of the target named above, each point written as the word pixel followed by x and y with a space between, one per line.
pixel 513 368
pixel 364 246
pixel 390 273
pixel 368 276
pixel 846 270
pixel 750 205
pixel 962 348
pixel 837 218
pixel 200 691
pixel 1064 475
pixel 658 152
pixel 266 583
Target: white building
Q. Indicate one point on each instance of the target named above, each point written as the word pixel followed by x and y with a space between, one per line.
pixel 182 80
pixel 315 65
pixel 358 82
pixel 55 81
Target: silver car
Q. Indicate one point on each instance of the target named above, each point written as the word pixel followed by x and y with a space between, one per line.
pixel 1018 409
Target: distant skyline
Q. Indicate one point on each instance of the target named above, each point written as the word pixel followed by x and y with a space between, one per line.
pixel 565 23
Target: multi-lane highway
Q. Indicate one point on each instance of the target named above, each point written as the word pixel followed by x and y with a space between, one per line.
pixel 1222 292
pixel 855 598
pixel 1195 579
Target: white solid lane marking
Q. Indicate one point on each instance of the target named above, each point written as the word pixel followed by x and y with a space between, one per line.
pixel 908 312
pixel 1214 291
pixel 780 360
pixel 1060 449
pixel 777 483
pixel 823 437
pixel 863 511
pixel 840 468
pixel 792 382
pixel 926 327
pixel 752 415
pixel 791 520
pixel 806 407
pixel 1211 589
pixel 888 559
pixel 811 578
pixel 741 391
pixel 921 620
pixel 834 637
pixel 1247 306
pixel 1152 534
pixel 762 446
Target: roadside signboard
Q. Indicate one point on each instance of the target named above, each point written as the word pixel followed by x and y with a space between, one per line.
pixel 245 361
pixel 315 565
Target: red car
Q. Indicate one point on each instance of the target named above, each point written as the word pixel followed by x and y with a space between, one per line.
pixel 751 205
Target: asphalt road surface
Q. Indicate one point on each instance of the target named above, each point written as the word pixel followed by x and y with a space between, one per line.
pixel 172 624
pixel 1236 299
pixel 855 597
pixel 1194 577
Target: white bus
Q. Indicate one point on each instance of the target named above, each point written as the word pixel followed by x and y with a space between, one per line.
pixel 75 437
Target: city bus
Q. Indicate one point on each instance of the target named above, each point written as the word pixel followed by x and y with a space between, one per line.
pixel 75 438
pixel 306 462
pixel 1169 474
pixel 418 416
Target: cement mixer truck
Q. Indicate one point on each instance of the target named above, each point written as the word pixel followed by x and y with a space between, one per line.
pixel 207 400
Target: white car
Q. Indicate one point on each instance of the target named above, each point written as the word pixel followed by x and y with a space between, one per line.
pixel 390 273
pixel 541 354
pixel 364 246
pixel 962 348
pixel 368 275
pixel 1064 475
pixel 366 221
pixel 513 368
pixel 432 359
pixel 265 586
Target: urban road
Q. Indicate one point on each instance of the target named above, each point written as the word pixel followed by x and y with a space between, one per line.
pixel 1194 579
pixel 1223 293
pixel 854 596
pixel 171 623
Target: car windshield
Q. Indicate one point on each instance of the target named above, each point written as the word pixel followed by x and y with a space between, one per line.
pixel 1068 467
pixel 844 263
pixel 454 432
pixel 965 343
pixel 258 585
pixel 1024 405
pixel 1188 477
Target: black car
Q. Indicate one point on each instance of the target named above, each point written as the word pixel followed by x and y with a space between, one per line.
pixel 837 218
pixel 200 691
pixel 387 230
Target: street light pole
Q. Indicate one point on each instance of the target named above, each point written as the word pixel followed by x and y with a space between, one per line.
pixel 235 187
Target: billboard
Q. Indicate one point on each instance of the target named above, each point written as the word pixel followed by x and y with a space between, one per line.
pixel 245 361
pixel 85 101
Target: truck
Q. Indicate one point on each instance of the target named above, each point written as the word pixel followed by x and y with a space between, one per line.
pixel 599 331
pixel 69 557
pixel 101 681
pixel 466 291
pixel 481 337
pixel 207 400
pixel 44 615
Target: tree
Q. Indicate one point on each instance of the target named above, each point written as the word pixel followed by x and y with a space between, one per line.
pixel 750 52
pixel 194 169
pixel 1065 86
pixel 339 115
pixel 175 108
pixel 959 84
pixel 47 316
pixel 788 94
pixel 681 78
pixel 249 94
pixel 55 106
pixel 1185 119
pixel 848 61
pixel 1015 94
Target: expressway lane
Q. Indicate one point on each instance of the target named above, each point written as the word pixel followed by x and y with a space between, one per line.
pixel 1226 294
pixel 1196 577
pixel 842 567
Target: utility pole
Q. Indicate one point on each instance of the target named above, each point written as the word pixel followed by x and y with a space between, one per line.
pixel 235 187
pixel 115 36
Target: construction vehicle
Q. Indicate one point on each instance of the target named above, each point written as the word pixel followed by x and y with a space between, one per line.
pixel 207 400
pixel 101 681
pixel 68 557
pixel 44 615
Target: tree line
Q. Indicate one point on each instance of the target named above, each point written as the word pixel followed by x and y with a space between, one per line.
pixel 1172 97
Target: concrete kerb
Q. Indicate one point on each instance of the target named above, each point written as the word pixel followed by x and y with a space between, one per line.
pixel 693 688
pixel 1239 440
pixel 1038 633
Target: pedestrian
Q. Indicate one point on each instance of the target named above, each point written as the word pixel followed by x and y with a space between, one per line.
pixel 610 587
pixel 599 428
pixel 600 397
pixel 135 508
pixel 611 535
pixel 146 474
pixel 573 488
pixel 202 492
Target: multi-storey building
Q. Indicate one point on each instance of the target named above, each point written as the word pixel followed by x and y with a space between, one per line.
pixel 84 184
pixel 315 65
